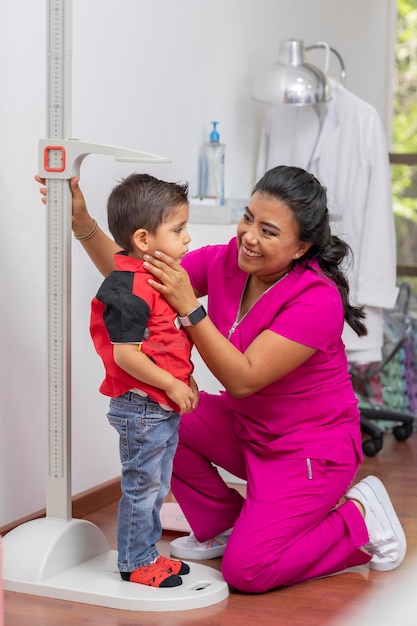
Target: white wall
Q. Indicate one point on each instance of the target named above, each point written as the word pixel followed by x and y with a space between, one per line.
pixel 150 75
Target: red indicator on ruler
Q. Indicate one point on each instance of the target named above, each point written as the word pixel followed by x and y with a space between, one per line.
pixel 62 158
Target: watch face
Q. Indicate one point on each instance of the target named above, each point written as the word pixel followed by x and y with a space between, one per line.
pixel 197 315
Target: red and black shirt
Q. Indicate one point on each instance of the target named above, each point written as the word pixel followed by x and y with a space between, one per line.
pixel 127 309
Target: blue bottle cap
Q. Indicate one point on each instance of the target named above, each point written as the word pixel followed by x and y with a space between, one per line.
pixel 214 135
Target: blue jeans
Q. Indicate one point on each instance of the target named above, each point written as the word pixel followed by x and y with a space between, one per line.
pixel 148 438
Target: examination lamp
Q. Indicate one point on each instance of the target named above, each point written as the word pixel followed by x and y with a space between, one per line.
pixel 293 81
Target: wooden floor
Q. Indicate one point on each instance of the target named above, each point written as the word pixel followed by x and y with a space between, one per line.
pixel 315 603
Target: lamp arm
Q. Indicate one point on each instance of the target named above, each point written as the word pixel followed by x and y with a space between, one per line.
pixel 336 53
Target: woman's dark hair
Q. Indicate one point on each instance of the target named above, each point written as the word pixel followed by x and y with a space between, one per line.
pixel 307 199
pixel 142 201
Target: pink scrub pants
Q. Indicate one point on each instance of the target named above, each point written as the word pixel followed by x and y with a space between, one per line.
pixel 287 529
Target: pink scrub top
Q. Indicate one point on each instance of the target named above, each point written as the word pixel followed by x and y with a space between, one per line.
pixel 312 411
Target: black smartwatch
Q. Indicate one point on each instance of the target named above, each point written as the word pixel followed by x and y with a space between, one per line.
pixel 195 316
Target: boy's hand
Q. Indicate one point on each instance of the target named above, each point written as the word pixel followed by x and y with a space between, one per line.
pixel 182 395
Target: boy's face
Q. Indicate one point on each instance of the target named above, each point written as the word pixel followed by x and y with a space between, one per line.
pixel 172 237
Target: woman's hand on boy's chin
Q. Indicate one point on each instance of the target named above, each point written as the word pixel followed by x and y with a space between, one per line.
pixel 174 283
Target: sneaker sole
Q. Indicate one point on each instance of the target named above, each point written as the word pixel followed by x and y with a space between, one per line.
pixel 182 552
pixel 380 493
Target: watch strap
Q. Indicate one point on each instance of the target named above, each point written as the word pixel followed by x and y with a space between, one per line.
pixel 193 317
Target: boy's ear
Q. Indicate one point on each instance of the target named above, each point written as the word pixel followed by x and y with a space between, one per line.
pixel 140 239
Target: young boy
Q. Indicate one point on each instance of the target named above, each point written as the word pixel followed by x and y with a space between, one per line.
pixel 146 355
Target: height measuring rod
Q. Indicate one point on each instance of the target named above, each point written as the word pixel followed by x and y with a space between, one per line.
pixel 58 556
pixel 59 159
pixel 58 127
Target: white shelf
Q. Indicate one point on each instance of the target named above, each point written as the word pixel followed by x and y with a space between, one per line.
pixel 230 213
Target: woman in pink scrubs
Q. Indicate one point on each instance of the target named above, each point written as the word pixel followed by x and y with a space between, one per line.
pixel 287 422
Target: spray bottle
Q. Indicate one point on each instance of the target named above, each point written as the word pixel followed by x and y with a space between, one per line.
pixel 212 167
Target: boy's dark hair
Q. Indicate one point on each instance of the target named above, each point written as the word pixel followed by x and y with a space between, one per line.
pixel 142 201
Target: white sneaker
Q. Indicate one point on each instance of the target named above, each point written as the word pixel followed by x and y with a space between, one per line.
pixel 189 548
pixel 387 543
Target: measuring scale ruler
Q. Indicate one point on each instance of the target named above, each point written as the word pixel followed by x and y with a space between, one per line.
pixel 58 556
pixel 58 127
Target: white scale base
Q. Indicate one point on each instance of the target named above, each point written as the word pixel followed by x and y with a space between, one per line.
pixel 71 560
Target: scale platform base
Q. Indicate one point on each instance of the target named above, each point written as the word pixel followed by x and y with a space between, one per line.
pixel 44 558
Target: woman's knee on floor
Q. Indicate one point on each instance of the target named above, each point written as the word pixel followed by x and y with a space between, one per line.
pixel 252 572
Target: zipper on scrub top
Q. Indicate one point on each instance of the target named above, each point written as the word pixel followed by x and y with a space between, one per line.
pixel 237 322
pixel 232 330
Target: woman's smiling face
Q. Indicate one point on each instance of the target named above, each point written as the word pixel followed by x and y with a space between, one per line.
pixel 268 238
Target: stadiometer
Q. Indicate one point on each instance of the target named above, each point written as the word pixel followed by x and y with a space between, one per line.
pixel 59 556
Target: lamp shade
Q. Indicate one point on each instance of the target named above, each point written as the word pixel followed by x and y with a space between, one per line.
pixel 291 80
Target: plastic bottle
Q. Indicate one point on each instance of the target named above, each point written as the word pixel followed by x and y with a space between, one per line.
pixel 212 167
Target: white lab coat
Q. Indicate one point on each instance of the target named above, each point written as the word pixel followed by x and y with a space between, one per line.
pixel 349 155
